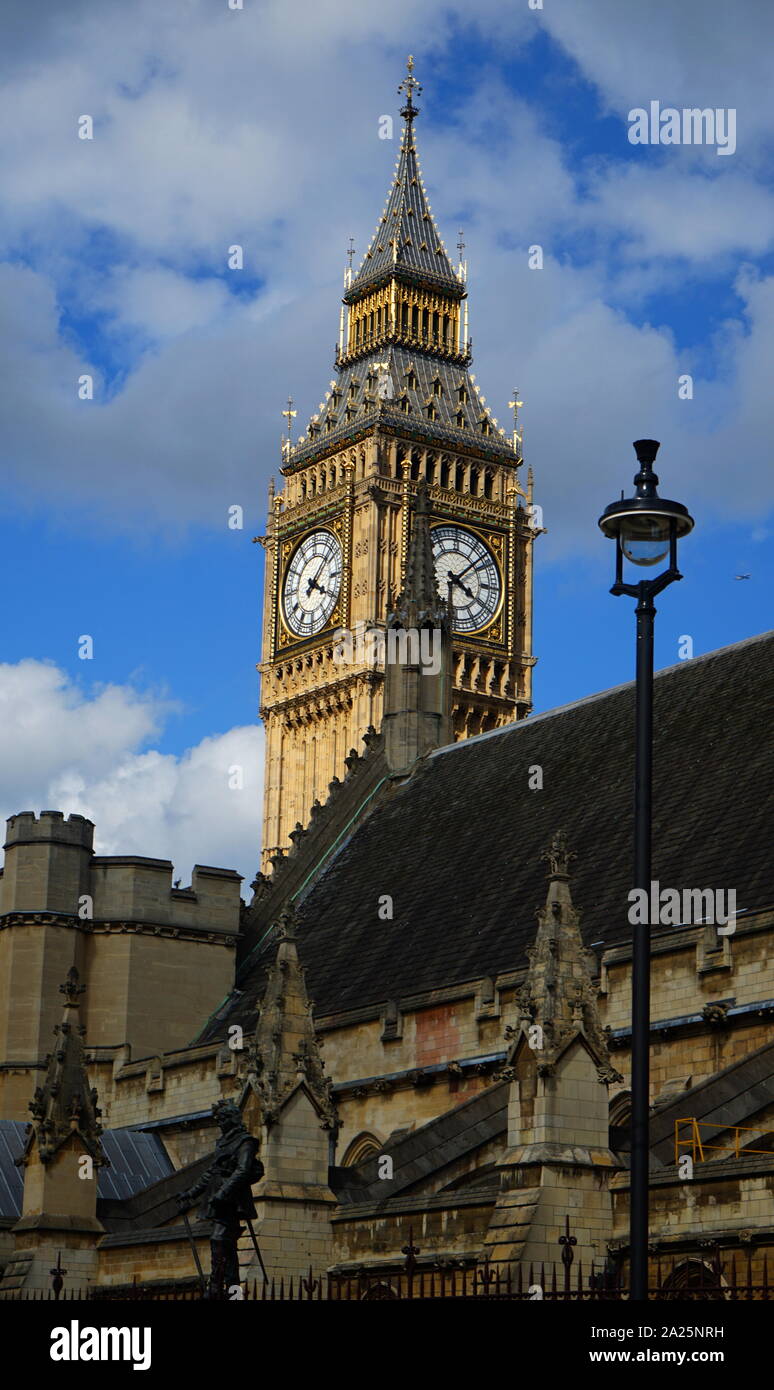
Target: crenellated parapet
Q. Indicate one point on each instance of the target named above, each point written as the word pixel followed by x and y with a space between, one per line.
pixel 155 956
pixel 47 862
pixel 50 867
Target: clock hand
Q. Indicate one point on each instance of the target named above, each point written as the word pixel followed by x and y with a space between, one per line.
pixel 462 573
pixel 456 580
pixel 313 582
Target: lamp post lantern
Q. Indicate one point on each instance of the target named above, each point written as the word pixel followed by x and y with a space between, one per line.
pixel 646 529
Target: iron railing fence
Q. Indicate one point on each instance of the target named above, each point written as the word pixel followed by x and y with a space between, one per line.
pixel 690 1277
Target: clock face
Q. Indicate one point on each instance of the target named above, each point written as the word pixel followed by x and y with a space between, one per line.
pixel 476 586
pixel 312 583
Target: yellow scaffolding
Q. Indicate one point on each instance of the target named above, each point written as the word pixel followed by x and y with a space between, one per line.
pixel 699 1147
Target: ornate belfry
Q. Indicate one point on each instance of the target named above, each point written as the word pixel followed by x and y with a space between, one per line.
pixel 402 409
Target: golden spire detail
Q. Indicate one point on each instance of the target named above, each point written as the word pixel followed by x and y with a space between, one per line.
pixel 410 85
pixel 290 415
pixel 350 258
pixel 515 405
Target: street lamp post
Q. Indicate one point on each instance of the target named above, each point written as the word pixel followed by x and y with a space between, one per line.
pixel 646 529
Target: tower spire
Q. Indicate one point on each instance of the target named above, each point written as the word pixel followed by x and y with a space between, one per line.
pixel 407 242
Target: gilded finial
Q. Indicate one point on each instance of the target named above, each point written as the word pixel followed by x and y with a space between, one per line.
pixel 518 438
pixel 462 269
pixel 350 258
pixel 409 85
pixel 290 415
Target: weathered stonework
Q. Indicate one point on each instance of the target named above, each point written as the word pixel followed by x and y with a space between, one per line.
pixel 152 957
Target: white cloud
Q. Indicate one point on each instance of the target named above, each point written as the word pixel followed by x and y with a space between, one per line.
pixel 192 152
pixel 164 303
pixel 686 54
pixel 67 749
pixel 669 211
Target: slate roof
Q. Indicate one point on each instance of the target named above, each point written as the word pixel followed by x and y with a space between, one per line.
pixel 458 845
pixel 137 1160
pixel 406 241
pixel 154 1206
pixel 353 405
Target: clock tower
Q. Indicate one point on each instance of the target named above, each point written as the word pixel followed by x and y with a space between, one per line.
pixel 402 414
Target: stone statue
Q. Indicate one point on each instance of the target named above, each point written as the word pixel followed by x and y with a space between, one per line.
pixel 228 1199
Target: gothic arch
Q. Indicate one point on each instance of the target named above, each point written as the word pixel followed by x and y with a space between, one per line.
pixel 621 1108
pixel 362 1147
pixel 695 1278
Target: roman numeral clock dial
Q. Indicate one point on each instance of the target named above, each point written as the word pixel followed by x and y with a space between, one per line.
pixel 476 586
pixel 312 583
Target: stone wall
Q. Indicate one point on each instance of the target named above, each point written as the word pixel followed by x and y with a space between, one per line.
pixel 155 960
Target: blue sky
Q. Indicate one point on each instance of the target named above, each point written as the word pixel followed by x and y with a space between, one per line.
pixel 259 127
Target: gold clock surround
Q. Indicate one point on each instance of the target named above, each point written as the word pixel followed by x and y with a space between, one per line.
pixel 290 551
pixel 493 542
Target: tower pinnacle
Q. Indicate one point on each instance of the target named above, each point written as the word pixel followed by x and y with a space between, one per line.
pixel 558 994
pixel 420 587
pixel 65 1105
